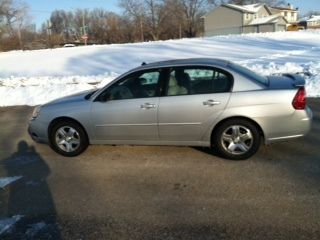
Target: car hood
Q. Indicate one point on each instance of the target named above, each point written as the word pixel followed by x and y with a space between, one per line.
pixel 77 97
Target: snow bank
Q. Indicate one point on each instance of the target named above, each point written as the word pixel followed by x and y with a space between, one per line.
pixel 35 77
pixel 38 90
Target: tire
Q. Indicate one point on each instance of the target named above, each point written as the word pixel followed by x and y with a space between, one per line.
pixel 236 139
pixel 68 138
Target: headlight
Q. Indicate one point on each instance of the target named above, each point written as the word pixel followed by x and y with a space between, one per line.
pixel 35 112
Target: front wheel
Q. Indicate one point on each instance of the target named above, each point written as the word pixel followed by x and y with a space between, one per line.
pixel 236 139
pixel 68 138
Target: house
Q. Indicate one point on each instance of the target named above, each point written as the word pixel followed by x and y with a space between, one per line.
pixel 289 13
pixel 311 22
pixel 236 19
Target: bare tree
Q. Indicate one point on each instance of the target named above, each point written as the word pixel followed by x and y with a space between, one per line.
pixel 98 26
pixel 311 13
pixel 13 18
pixel 268 2
pixel 193 10
pixel 136 10
pixel 104 27
pixel 81 22
pixel 155 16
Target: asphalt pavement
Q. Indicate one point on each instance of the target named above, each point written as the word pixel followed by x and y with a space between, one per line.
pixel 157 192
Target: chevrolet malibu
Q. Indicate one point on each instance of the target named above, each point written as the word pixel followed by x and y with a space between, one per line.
pixel 189 102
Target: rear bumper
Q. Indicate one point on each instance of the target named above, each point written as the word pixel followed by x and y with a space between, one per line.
pixel 298 125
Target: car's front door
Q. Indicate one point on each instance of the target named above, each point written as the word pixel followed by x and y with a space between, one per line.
pixel 193 98
pixel 127 110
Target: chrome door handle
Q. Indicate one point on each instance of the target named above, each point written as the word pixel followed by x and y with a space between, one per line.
pixel 147 106
pixel 210 102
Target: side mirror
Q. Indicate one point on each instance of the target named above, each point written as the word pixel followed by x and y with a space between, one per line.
pixel 103 97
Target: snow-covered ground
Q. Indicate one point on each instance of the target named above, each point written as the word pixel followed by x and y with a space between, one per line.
pixel 35 77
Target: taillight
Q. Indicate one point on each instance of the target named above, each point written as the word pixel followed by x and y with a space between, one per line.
pixel 299 102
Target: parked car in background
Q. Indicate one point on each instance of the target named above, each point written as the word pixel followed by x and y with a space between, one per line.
pixel 69 45
pixel 295 27
pixel 188 102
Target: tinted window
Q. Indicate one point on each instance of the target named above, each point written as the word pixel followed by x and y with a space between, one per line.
pixel 141 85
pixel 248 73
pixel 197 80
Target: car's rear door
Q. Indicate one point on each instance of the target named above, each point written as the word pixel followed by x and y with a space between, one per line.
pixel 189 106
pixel 127 110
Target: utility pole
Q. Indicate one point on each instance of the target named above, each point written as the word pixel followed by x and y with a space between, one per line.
pixel 84 36
pixel 20 22
pixel 20 37
pixel 141 29
pixel 49 34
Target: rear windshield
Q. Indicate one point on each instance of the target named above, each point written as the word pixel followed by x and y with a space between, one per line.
pixel 248 73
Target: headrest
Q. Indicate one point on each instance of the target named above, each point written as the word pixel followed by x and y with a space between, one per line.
pixel 172 82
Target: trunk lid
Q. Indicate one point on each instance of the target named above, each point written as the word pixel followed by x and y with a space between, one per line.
pixel 286 81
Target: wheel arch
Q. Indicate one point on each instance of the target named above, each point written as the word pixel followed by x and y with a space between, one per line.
pixel 233 118
pixel 64 118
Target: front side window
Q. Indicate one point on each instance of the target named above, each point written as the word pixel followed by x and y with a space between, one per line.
pixel 197 80
pixel 137 85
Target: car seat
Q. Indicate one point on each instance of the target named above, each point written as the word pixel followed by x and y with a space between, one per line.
pixel 174 89
pixel 183 79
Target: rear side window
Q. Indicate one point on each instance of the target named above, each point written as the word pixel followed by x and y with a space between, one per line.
pixel 197 80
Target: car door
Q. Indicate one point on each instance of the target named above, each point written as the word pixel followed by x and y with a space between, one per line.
pixel 193 98
pixel 127 110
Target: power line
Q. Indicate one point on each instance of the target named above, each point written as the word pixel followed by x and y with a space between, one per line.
pixel 40 11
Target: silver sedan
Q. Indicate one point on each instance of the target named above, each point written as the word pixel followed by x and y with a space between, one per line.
pixel 188 102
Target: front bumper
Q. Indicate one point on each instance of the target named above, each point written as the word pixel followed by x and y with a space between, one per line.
pixel 38 131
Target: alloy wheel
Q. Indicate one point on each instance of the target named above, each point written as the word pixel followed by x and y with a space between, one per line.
pixel 237 139
pixel 67 139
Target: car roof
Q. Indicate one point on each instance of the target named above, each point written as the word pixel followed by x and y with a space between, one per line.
pixel 187 61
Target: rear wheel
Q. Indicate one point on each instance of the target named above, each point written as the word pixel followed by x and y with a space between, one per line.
pixel 68 138
pixel 236 139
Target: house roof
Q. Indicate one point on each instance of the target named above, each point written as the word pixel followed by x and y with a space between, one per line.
pixel 285 9
pixel 252 8
pixel 312 18
pixel 265 20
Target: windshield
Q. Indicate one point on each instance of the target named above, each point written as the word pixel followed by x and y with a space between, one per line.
pixel 248 73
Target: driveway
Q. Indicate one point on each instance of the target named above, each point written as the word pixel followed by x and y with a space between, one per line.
pixel 151 192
